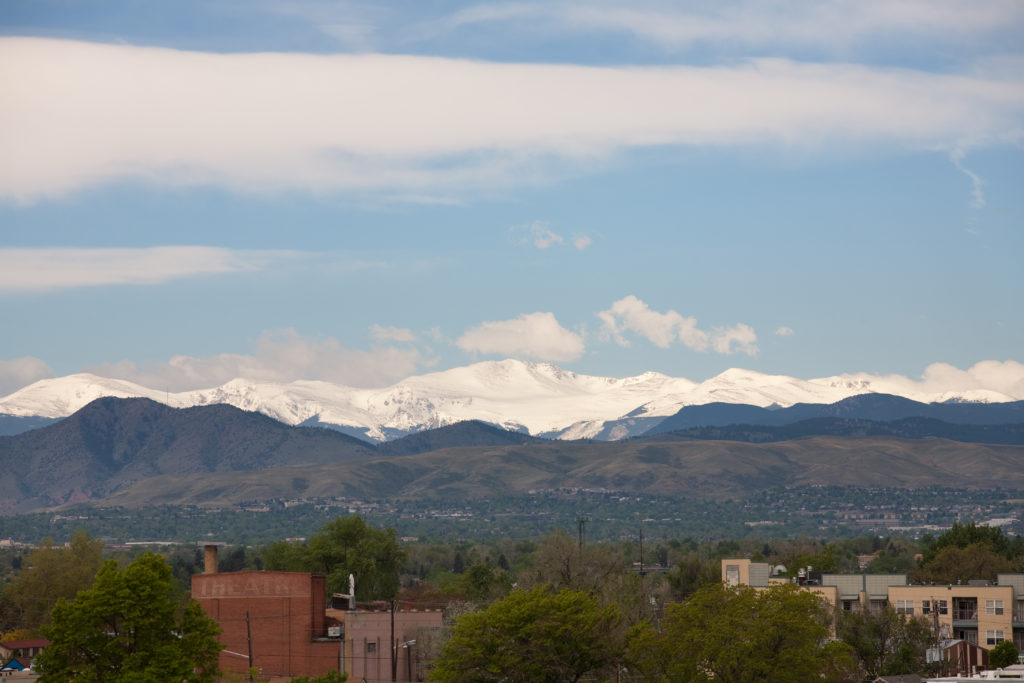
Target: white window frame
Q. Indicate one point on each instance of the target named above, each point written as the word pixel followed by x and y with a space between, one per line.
pixel 905 607
pixel 994 636
pixel 993 607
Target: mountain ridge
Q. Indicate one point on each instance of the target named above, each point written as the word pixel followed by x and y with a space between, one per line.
pixel 538 398
pixel 113 446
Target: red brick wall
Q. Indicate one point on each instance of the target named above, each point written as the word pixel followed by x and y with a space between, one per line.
pixel 285 615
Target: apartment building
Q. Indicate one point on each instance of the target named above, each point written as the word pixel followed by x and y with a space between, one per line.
pixel 978 612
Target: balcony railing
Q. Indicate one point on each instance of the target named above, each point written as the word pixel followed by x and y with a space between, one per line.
pixel 965 614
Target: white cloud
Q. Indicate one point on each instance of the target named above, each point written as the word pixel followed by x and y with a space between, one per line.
pixel 389 333
pixel 20 372
pixel 81 114
pixel 784 331
pixel 279 356
pixel 534 335
pixel 581 242
pixel 977 193
pixel 630 314
pixel 536 233
pixel 45 268
pixel 741 335
pixel 1006 377
pixel 544 238
pixel 1002 377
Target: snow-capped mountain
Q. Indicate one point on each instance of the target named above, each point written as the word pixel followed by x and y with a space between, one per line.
pixel 539 398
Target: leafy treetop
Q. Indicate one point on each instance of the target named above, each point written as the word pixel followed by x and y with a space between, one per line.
pixel 129 627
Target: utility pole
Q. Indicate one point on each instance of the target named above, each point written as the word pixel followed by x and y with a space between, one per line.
pixel 642 572
pixel 394 644
pixel 248 635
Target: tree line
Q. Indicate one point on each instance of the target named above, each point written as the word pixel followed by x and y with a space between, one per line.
pixel 573 609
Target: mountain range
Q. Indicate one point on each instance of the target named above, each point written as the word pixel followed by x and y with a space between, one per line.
pixel 539 399
pixel 136 451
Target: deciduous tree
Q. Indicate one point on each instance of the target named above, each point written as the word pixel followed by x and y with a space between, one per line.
pixel 129 627
pixel 739 635
pixel 347 545
pixel 1002 655
pixel 49 573
pixel 885 642
pixel 535 636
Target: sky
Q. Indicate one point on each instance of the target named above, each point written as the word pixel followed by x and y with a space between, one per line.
pixel 360 192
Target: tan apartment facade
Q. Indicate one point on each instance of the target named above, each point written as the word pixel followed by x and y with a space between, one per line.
pixel 979 612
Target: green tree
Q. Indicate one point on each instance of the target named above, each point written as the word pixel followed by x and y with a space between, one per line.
pixel 963 535
pixel 481 582
pixel 128 627
pixel 346 545
pixel 50 573
pixel 692 573
pixel 885 642
pixel 537 635
pixel 739 634
pixel 600 570
pixel 1002 655
pixel 953 564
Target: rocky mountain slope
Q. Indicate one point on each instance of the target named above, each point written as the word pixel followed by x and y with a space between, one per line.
pixel 138 452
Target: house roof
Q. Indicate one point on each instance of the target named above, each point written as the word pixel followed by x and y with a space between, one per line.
pixel 18 644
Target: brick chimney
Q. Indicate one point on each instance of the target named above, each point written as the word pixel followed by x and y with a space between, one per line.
pixel 209 559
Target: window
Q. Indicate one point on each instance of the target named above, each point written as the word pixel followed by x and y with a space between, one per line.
pixel 993 637
pixel 732 575
pixel 970 635
pixel 371 648
pixel 905 606
pixel 943 607
pixel 993 607
pixel 926 607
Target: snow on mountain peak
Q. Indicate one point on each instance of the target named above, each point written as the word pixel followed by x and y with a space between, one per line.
pixel 540 397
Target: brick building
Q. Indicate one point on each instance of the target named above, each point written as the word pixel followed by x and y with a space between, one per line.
pixel 276 618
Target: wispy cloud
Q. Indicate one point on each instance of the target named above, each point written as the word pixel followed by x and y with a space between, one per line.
pixel 420 125
pixel 835 26
pixel 631 315
pixel 784 331
pixel 977 193
pixel 532 335
pixel 389 333
pixel 27 269
pixel 278 356
pixel 540 235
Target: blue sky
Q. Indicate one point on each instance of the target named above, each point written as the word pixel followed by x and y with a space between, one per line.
pixel 194 191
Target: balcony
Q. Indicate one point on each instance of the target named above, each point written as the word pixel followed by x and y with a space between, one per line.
pixel 965 614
